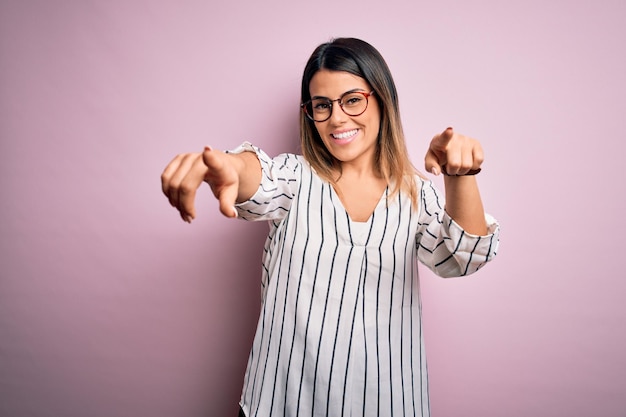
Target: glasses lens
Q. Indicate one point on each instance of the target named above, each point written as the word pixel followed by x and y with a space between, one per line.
pixel 318 109
pixel 354 104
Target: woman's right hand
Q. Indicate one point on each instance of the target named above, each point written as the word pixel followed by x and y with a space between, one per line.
pixel 185 173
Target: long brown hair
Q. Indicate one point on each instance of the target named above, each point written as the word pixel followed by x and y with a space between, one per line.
pixel 361 59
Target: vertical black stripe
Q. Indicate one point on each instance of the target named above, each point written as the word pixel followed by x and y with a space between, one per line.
pixel 412 338
pixel 380 277
pixel 343 293
pixel 365 365
pixel 354 312
pixel 407 244
pixel 365 273
pixel 423 364
pixel 393 281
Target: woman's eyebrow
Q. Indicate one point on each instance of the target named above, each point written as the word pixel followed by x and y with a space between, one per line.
pixel 354 90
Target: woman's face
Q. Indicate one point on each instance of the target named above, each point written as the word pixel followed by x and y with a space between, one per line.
pixel 350 139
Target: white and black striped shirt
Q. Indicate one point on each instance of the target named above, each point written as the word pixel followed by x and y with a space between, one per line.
pixel 339 332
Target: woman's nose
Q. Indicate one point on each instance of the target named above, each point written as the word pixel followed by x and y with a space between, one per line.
pixel 337 115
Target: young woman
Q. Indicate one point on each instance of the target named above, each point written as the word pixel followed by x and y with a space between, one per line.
pixel 339 332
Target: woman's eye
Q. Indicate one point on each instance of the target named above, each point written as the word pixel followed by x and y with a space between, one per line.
pixel 320 106
pixel 352 100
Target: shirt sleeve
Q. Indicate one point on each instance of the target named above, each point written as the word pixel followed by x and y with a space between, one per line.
pixel 442 244
pixel 279 181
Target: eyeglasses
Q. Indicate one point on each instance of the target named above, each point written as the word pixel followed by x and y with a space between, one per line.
pixel 353 103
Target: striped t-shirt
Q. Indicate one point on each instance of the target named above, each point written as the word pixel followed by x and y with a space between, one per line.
pixel 339 332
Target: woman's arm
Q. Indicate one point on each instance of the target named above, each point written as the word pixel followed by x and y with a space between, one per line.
pixel 464 205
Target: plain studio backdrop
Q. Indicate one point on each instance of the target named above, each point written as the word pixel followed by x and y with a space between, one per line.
pixel 111 306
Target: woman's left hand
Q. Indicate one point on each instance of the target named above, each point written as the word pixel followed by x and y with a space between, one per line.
pixel 453 154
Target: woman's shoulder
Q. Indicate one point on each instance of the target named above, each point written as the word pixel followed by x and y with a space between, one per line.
pixel 289 156
pixel 417 183
pixel 280 159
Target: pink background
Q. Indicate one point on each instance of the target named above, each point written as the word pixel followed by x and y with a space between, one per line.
pixel 111 306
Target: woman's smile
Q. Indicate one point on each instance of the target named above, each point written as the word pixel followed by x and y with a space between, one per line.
pixel 344 137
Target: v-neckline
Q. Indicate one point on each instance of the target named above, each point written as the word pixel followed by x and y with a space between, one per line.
pixel 382 199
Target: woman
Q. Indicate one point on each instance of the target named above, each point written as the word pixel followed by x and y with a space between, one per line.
pixel 340 325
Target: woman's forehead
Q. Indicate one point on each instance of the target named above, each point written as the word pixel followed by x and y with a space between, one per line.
pixel 327 83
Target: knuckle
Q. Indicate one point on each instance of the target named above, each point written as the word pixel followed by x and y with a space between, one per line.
pixel 454 160
pixel 165 183
pixel 186 188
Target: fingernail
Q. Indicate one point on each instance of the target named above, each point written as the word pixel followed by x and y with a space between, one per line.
pixel 235 212
pixel 208 148
pixel 434 171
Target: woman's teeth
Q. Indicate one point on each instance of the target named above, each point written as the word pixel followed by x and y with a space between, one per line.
pixel 345 135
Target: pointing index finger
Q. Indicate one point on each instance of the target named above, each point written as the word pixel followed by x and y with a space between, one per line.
pixel 447 134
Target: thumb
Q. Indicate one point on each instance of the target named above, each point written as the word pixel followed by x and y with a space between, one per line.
pixel 222 180
pixel 431 163
pixel 228 197
pixel 435 157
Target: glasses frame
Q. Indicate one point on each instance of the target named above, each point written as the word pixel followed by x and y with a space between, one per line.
pixel 304 105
